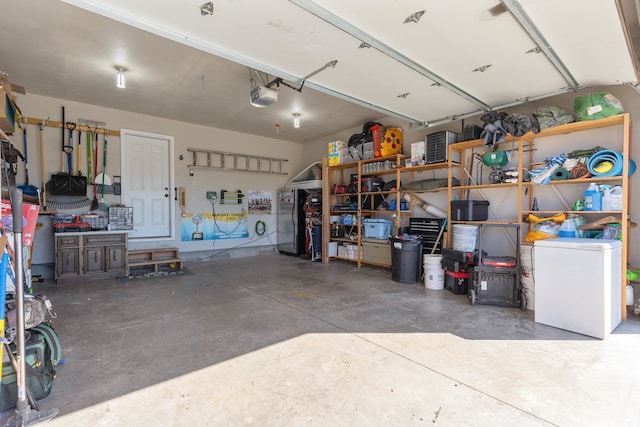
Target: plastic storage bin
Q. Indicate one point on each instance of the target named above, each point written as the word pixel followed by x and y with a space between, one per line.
pixel 376 251
pixel 376 228
pixel 457 282
pixel 120 218
pixel 469 210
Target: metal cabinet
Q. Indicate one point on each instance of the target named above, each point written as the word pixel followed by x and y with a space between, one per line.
pixel 96 254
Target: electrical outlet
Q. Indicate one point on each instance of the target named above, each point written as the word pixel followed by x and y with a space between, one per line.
pixel 212 195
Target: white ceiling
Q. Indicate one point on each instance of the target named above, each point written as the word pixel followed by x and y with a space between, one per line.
pixel 194 68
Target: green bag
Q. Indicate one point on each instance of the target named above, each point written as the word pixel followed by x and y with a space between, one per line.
pixel 594 106
pixel 42 353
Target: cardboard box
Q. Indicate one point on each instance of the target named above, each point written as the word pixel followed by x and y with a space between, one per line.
pixel 418 153
pixel 29 220
pixel 334 152
pixel 7 112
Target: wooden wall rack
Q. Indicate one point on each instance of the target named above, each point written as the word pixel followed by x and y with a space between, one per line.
pixel 80 127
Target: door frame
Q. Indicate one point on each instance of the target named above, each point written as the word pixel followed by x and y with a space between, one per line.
pixel 125 179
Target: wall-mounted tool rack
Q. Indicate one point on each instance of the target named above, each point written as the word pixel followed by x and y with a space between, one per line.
pixel 79 127
pixel 236 162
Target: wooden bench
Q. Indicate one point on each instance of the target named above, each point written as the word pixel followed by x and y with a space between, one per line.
pixel 154 258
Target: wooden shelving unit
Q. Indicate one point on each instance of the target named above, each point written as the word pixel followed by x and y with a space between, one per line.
pixel 340 174
pixel 560 139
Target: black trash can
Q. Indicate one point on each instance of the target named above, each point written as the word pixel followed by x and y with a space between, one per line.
pixel 405 260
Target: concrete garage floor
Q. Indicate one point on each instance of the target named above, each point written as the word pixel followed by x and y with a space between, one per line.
pixel 278 341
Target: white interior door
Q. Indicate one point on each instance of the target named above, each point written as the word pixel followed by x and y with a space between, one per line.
pixel 147 183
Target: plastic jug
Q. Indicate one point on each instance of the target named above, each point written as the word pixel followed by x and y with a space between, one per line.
pixel 592 198
pixel 567 229
pixel 616 198
pixel 607 198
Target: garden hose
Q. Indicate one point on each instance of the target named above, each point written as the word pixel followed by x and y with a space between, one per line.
pixel 260 228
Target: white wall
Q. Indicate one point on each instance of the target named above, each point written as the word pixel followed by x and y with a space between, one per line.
pixel 185 135
pixel 188 135
pixel 630 99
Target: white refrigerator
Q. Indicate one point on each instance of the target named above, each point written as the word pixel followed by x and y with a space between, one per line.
pixel 578 285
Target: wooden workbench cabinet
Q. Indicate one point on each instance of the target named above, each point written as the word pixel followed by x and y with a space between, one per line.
pixel 99 254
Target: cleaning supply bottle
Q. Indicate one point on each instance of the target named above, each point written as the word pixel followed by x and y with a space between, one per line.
pixel 592 198
pixel 567 229
pixel 607 198
pixel 616 198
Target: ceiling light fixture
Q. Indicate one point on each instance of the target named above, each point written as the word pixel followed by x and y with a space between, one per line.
pixel 206 9
pixel 296 120
pixel 121 78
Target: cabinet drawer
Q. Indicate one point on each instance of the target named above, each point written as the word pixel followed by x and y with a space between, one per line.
pixel 67 241
pixel 104 240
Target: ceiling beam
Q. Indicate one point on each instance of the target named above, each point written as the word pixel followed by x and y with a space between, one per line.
pixel 517 12
pixel 350 29
pixel 215 50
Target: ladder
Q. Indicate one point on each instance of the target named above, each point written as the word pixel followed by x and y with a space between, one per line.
pixel 236 162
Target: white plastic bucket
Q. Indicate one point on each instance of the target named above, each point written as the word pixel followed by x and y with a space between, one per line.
pixel 433 272
pixel 630 297
pixel 464 237
pixel 527 274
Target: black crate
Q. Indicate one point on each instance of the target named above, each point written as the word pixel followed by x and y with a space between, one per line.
pixel 471 132
pixel 469 210
pixel 452 265
pixel 460 256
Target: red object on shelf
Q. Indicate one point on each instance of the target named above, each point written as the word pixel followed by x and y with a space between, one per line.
pixel 29 219
pixel 68 227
